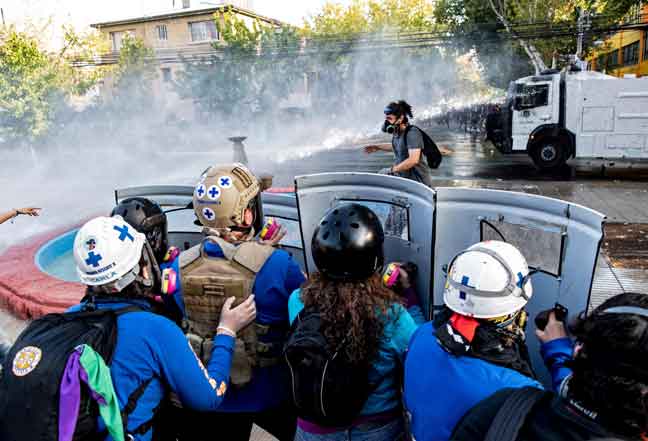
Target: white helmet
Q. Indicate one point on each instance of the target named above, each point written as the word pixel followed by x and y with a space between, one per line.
pixel 106 249
pixel 489 279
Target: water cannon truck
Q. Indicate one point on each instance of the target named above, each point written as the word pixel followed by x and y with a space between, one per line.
pixel 556 116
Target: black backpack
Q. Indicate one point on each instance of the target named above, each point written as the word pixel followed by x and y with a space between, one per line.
pixel 430 150
pixel 512 414
pixel 29 384
pixel 327 389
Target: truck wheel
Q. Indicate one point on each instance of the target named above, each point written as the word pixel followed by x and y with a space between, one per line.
pixel 549 153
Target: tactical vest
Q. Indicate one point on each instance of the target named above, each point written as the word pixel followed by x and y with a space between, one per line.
pixel 206 283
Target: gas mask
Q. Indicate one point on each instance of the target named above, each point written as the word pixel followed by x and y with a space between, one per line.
pixel 388 127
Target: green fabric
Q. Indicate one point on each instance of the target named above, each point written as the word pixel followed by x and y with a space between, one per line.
pixel 100 382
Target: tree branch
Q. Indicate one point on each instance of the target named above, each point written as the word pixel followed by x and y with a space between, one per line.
pixel 529 48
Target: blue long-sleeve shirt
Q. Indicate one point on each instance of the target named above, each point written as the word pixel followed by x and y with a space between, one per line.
pixel 556 354
pixel 440 387
pixel 399 327
pixel 152 347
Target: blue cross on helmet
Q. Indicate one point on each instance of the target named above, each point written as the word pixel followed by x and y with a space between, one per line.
pixel 489 279
pixel 106 249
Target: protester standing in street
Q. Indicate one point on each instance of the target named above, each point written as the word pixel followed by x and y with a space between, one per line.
pixel 408 145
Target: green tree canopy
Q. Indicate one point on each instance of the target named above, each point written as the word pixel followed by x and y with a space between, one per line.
pixel 34 85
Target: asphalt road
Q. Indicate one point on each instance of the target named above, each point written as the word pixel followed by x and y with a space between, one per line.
pixel 620 192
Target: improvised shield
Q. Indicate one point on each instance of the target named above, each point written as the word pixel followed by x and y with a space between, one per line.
pixel 405 208
pixel 558 239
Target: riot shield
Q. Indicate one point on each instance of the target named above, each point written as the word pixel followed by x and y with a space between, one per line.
pixel 559 239
pixel 405 208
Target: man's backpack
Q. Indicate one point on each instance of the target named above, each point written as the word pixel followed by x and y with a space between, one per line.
pixel 430 150
pixel 327 389
pixel 511 415
pixel 34 368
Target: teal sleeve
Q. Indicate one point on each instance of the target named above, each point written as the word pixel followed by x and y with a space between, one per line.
pixel 417 314
pixel 404 328
pixel 295 305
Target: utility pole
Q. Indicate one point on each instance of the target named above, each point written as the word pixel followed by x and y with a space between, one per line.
pixel 583 23
pixel 2 14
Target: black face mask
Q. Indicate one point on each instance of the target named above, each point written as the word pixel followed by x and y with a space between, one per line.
pixel 388 127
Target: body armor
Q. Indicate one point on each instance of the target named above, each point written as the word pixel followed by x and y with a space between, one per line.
pixel 206 283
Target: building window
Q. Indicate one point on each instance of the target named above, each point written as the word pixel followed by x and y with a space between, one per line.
pixel 117 38
pixel 645 54
pixel 631 54
pixel 167 77
pixel 613 59
pixel 203 31
pixel 162 32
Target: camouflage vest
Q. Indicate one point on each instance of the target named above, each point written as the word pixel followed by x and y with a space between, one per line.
pixel 206 283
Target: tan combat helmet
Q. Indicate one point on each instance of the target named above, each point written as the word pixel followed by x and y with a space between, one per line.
pixel 222 195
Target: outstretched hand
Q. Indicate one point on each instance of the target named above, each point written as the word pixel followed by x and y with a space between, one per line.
pixel 28 211
pixel 371 148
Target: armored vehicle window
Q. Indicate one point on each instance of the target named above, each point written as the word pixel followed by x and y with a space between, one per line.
pixel 530 96
pixel 394 218
pixel 541 245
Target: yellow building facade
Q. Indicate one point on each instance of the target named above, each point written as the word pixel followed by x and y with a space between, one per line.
pixel 625 52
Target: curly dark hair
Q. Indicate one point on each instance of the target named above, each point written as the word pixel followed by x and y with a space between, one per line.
pixel 607 375
pixel 401 108
pixel 357 310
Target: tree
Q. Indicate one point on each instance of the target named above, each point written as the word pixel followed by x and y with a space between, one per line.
pixel 34 86
pixel 475 19
pixel 350 71
pixel 134 76
pixel 254 68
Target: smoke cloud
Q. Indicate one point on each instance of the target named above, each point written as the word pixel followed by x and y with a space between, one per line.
pixel 144 137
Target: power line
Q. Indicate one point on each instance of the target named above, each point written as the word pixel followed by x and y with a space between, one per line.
pixel 377 42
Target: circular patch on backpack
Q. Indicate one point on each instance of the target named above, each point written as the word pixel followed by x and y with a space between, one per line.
pixel 26 360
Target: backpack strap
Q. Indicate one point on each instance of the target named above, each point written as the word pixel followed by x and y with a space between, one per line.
pixel 407 129
pixel 511 416
pixel 133 398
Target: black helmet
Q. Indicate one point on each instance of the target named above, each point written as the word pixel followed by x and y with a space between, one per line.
pixel 146 217
pixel 348 243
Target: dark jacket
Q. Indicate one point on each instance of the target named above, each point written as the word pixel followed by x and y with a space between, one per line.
pixel 551 419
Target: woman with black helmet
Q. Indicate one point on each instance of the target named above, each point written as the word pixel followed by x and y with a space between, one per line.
pixel 360 322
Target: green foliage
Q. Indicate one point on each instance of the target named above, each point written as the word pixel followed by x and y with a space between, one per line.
pixel 477 23
pixel 134 76
pixel 34 86
pixel 250 74
pixel 372 16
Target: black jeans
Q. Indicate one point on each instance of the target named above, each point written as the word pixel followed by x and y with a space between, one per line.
pixel 187 425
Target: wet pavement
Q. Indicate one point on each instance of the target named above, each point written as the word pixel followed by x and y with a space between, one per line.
pixel 620 192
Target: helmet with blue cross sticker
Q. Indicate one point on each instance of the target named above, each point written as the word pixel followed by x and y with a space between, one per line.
pixel 105 249
pixel 224 193
pixel 489 279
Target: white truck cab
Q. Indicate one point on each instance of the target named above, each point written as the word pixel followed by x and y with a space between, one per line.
pixel 555 116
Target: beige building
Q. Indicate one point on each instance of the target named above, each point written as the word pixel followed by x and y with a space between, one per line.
pixel 181 34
